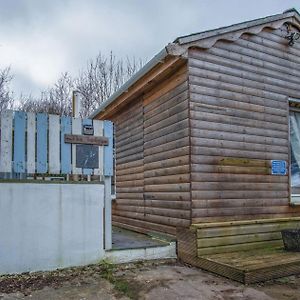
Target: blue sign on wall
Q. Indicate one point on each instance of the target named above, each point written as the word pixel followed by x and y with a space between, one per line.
pixel 279 167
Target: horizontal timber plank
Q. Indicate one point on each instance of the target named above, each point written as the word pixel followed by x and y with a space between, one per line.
pixel 176 126
pixel 238 109
pixel 167 138
pixel 167 87
pixel 133 164
pixel 203 150
pixel 219 177
pixel 178 178
pixel 230 69
pixel 230 169
pixel 257 52
pixel 227 77
pixel 238 239
pixel 167 155
pixel 172 95
pixel 184 169
pixel 243 63
pixel 129 158
pixel 215 126
pixel 238 247
pixel 238 211
pixel 245 229
pixel 164 148
pixel 131 189
pixel 171 162
pixel 165 122
pixel 131 183
pixel 231 194
pixel 137 196
pixel 132 176
pixel 129 171
pixel 208 87
pixel 172 196
pixel 172 187
pixel 233 120
pixel 126 153
pixel 238 203
pixel 238 145
pixel 148 226
pixel 237 137
pixel 181 204
pixel 134 144
pixel 168 113
pixel 238 186
pixel 166 104
pixel 168 212
pixel 237 87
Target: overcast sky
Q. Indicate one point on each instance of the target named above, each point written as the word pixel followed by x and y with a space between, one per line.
pixel 40 39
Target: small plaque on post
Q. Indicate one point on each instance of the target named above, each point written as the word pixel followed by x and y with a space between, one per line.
pixel 279 167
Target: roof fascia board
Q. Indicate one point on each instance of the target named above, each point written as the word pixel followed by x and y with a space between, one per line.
pixel 242 26
pixel 158 58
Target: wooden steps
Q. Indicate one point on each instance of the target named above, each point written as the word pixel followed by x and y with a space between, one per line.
pixel 245 251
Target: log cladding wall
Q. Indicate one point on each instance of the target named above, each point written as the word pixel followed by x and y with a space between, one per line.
pixel 153 166
pixel 239 122
pixel 128 209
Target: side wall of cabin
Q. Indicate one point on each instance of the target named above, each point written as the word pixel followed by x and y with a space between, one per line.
pixel 153 158
pixel 239 123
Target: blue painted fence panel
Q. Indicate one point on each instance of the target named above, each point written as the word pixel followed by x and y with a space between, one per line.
pixel 19 141
pixel 87 122
pixel 66 128
pixel 42 142
pixel 108 150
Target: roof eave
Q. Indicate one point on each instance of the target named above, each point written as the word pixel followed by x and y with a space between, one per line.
pixel 220 31
pixel 158 58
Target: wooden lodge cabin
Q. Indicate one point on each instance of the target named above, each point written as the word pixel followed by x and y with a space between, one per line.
pixel 203 141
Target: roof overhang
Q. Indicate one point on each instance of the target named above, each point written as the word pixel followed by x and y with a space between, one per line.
pixel 174 54
pixel 158 68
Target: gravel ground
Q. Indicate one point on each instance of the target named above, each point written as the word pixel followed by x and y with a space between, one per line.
pixel 151 280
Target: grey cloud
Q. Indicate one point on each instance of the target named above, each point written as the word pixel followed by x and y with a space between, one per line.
pixel 42 39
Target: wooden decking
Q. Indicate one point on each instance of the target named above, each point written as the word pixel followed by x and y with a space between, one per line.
pixel 253 266
pixel 245 251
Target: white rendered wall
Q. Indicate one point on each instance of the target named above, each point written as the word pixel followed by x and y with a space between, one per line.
pixel 49 226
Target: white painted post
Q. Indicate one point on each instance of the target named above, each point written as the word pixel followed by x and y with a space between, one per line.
pixel 31 124
pixel 54 144
pixel 108 173
pixel 107 213
pixel 76 104
pixel 76 129
pixel 98 131
pixel 6 142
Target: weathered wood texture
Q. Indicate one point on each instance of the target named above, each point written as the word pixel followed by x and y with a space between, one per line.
pixel 239 122
pixel 246 251
pixel 152 154
pixel 223 237
pixel 166 152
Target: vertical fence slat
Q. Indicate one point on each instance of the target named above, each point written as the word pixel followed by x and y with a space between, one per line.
pixel 54 141
pixel 65 148
pixel 42 142
pixel 31 143
pixel 108 150
pixel 19 141
pixel 108 173
pixel 76 129
pixel 6 142
pixel 98 131
pixel 87 122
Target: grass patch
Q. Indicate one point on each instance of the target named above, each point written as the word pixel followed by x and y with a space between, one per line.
pixel 121 285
